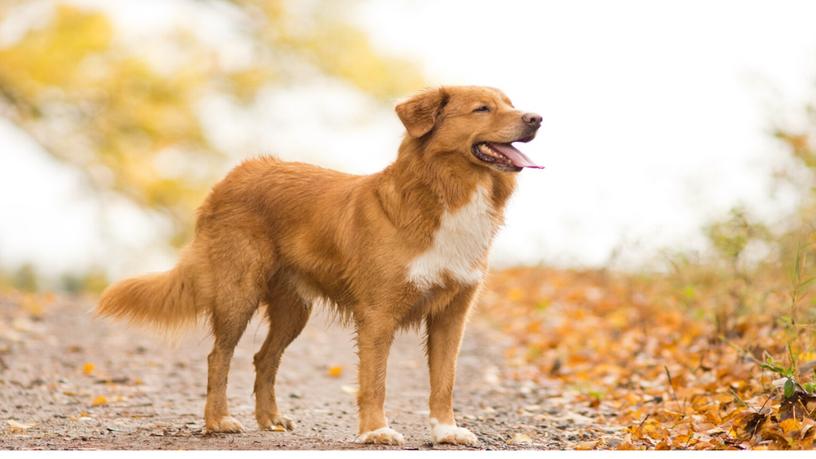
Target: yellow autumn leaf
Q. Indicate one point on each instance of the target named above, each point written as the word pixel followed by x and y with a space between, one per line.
pixel 88 368
pixel 33 305
pixel 586 445
pixel 335 371
pixel 663 445
pixel 515 294
pixel 790 425
pixel 625 446
pixel 99 401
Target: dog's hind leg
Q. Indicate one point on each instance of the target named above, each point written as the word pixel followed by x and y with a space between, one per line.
pixel 288 314
pixel 230 316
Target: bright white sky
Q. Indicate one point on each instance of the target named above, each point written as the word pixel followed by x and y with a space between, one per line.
pixel 655 119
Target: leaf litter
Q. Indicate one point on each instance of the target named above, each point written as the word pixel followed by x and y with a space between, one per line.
pixel 628 348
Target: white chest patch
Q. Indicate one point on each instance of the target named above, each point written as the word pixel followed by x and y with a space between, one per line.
pixel 459 244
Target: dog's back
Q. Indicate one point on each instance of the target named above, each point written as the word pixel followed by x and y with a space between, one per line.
pixel 246 223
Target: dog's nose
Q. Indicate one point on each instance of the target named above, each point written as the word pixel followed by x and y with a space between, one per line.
pixel 532 119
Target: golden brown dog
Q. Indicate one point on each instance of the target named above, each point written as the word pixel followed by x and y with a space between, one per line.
pixel 388 250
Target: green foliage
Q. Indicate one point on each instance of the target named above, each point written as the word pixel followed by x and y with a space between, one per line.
pixel 772 365
pixel 25 279
pixel 731 235
pixel 810 387
pixel 93 281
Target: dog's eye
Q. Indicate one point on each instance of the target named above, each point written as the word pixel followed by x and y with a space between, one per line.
pixel 482 108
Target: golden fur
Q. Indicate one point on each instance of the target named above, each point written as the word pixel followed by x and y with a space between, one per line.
pixel 287 234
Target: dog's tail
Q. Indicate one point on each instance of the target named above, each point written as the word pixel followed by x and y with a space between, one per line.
pixel 163 300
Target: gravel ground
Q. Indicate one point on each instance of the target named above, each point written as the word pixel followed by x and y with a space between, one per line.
pixel 145 392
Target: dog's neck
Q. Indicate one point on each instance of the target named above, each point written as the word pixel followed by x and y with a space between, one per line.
pixel 422 184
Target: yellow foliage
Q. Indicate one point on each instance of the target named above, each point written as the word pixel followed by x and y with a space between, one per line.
pixel 124 116
pixel 346 52
pixel 51 56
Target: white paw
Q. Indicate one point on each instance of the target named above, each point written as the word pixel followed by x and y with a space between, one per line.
pixel 276 423
pixel 452 435
pixel 226 424
pixel 381 436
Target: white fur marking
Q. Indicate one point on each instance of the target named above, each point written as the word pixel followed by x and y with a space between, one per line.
pixel 381 436
pixel 459 244
pixel 451 434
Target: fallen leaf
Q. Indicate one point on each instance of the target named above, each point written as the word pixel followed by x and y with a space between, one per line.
pixel 790 425
pixel 99 401
pixel 625 446
pixel 663 445
pixel 520 439
pixel 22 324
pixel 349 389
pixel 33 306
pixel 586 445
pixel 335 371
pixel 88 368
pixel 18 427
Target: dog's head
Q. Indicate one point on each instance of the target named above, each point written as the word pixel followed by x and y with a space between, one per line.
pixel 479 123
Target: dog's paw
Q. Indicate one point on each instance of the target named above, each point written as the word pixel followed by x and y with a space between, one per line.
pixel 225 424
pixel 451 434
pixel 381 436
pixel 277 423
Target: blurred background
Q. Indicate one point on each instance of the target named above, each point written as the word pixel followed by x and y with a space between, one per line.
pixel 668 128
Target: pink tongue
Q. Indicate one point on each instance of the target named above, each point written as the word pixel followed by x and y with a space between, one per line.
pixel 518 158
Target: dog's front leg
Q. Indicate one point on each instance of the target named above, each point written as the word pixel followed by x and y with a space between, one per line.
pixel 375 334
pixel 445 330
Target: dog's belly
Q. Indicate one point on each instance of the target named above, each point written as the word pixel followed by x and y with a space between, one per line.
pixel 459 247
pixel 312 291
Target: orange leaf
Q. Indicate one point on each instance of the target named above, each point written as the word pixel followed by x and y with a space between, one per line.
pixel 335 371
pixel 790 425
pixel 625 446
pixel 586 445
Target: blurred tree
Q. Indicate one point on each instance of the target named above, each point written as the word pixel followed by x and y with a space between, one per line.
pixel 93 281
pixel 25 278
pixel 100 106
pixel 799 142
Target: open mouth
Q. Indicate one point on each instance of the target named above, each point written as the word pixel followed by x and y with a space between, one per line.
pixel 504 156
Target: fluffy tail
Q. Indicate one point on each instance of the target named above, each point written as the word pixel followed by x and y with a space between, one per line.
pixel 164 300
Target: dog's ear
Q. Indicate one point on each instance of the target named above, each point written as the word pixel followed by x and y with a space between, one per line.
pixel 419 113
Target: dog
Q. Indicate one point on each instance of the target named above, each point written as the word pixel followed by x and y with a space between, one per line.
pixel 386 251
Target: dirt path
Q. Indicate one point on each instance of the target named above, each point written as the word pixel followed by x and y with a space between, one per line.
pixel 150 394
